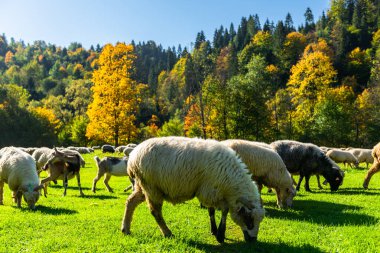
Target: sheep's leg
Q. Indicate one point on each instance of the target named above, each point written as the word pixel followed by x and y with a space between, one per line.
pixel 65 182
pixel 211 213
pixel 131 186
pixel 107 178
pixel 136 198
pixel 222 227
pixel 96 179
pixel 319 182
pixel 299 182
pixel 374 168
pixel 156 211
pixel 18 198
pixel 260 187
pixel 79 185
pixel 46 181
pixel 279 200
pixel 1 192
pixel 307 187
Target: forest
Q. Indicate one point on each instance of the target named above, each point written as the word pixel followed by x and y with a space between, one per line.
pixel 318 82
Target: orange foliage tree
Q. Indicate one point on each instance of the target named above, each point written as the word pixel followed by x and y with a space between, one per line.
pixel 116 96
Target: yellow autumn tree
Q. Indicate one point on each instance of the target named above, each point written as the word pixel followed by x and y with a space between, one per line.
pixel 49 116
pixel 313 74
pixel 116 96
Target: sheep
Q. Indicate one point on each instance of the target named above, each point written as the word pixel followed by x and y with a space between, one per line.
pixel 108 148
pixel 127 151
pixel 267 169
pixel 362 154
pixel 63 166
pixel 177 169
pixel 375 166
pixel 110 166
pixel 18 170
pixel 120 149
pixel 41 156
pixel 73 153
pixel 342 156
pixel 307 159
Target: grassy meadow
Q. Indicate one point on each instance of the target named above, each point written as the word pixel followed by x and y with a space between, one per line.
pixel 345 221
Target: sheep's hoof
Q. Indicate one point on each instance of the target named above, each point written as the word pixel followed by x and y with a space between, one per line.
pixel 169 234
pixel 1 203
pixel 220 239
pixel 124 231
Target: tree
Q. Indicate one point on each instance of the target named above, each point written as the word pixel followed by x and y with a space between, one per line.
pixel 333 117
pixel 115 96
pixel 248 94
pixel 313 74
pixel 309 21
pixel 174 127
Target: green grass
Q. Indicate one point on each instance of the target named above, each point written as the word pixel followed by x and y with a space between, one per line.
pixel 345 221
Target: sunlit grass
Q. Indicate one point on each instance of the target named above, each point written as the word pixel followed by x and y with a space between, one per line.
pixel 345 221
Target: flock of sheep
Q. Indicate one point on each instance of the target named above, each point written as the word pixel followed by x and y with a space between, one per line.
pixel 227 175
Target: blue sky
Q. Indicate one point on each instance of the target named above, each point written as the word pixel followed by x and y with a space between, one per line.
pixel 167 22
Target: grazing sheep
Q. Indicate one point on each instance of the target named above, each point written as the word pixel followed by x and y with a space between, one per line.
pixel 342 156
pixel 362 154
pixel 325 149
pixel 375 166
pixel 177 169
pixel 18 170
pixel 62 166
pixel 307 159
pixel 41 156
pixel 267 169
pixel 73 153
pixel 110 166
pixel 127 151
pixel 108 148
pixel 120 149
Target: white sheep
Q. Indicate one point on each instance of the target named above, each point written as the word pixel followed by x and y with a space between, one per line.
pixel 120 149
pixel 342 156
pixel 362 154
pixel 110 166
pixel 41 156
pixel 267 168
pixel 18 170
pixel 375 166
pixel 177 169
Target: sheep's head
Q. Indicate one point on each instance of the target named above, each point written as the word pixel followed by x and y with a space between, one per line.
pixel 31 195
pixel 286 197
pixel 248 217
pixel 335 178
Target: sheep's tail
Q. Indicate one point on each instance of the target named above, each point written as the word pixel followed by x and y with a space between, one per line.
pixel 97 160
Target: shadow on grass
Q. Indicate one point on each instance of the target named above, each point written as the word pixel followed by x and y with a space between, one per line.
pixel 320 212
pixel 58 186
pixel 98 196
pixel 253 247
pixel 356 191
pixel 54 210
